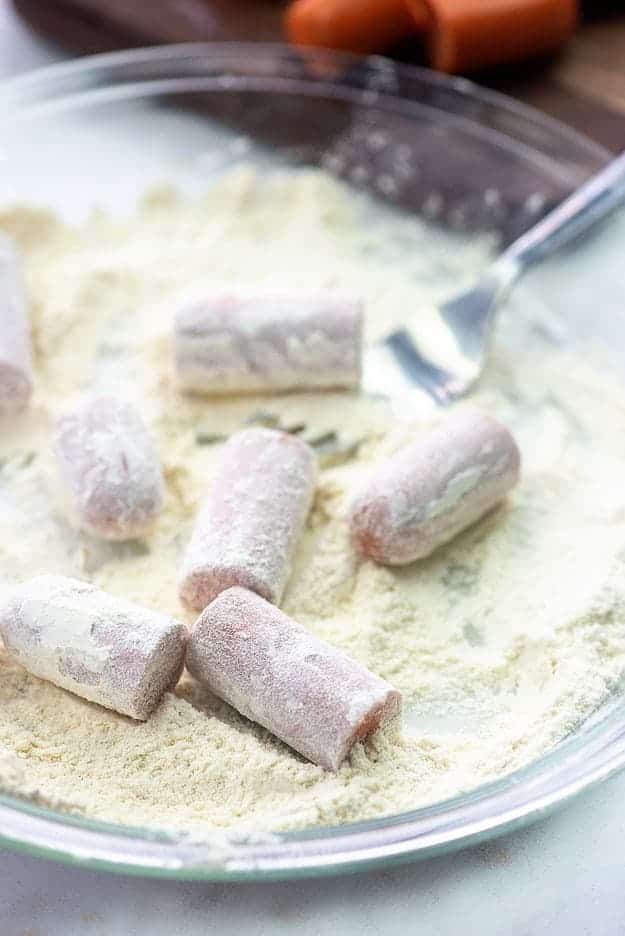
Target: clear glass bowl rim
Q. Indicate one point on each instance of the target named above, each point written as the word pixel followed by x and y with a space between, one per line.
pixel 571 767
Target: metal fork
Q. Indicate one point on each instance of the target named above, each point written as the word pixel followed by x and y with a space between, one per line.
pixel 449 356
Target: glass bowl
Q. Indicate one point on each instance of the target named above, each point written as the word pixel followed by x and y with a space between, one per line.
pixel 99 131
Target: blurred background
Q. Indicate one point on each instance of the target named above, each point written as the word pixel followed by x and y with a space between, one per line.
pixel 564 56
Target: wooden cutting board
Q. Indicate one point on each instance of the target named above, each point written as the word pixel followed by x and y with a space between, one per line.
pixel 584 85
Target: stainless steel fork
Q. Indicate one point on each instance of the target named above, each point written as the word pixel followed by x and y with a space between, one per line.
pixel 449 356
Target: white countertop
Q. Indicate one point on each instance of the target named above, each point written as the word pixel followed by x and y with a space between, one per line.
pixel 564 875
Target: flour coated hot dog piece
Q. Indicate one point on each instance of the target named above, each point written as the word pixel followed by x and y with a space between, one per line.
pixel 275 672
pixel 16 376
pixel 250 524
pixel 97 646
pixel 110 467
pixel 255 341
pixel 432 490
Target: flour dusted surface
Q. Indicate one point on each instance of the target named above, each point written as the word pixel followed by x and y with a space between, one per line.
pixel 501 642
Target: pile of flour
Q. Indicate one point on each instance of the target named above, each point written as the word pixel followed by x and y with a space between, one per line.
pixel 501 642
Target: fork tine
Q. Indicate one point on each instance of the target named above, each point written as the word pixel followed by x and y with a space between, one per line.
pixel 418 370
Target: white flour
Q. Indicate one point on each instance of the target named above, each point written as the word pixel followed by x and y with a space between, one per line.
pixel 501 643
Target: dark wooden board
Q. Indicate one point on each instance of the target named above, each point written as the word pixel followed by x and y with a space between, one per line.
pixel 584 85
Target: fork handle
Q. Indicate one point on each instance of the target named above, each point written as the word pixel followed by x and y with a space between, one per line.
pixel 596 199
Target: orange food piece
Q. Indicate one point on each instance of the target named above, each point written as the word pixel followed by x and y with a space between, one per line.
pixel 463 35
pixel 363 26
pixel 466 35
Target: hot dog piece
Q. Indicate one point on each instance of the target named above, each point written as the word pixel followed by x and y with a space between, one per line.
pixel 95 645
pixel 250 524
pixel 354 25
pixel 16 378
pixel 461 34
pixel 265 341
pixel 111 468
pixel 429 492
pixel 273 671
